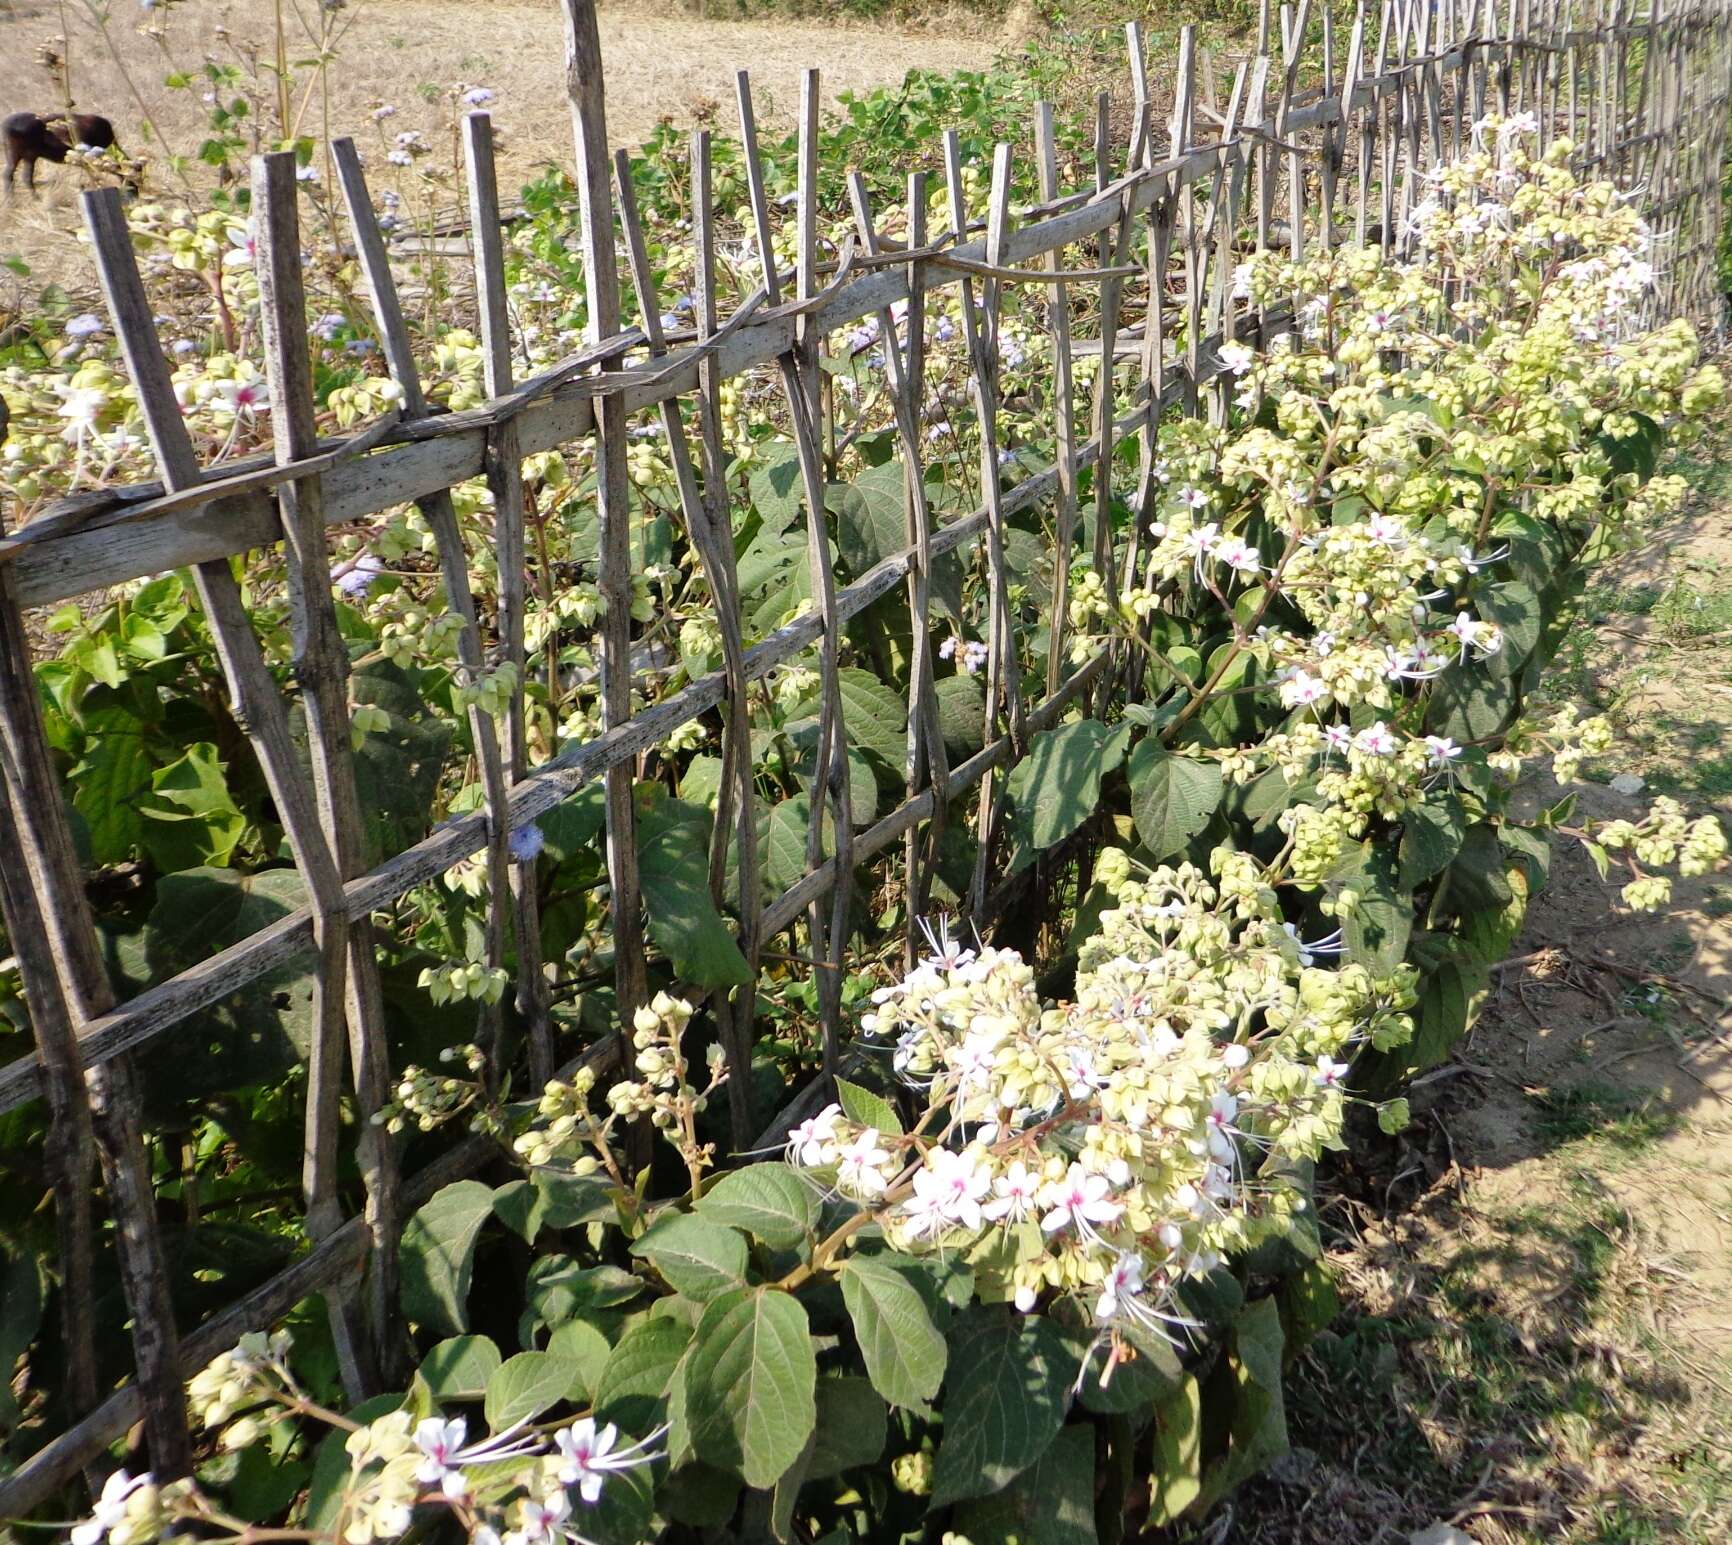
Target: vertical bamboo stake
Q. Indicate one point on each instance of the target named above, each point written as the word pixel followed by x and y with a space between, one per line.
pixel 925 763
pixel 504 464
pixel 739 725
pixel 583 86
pixel 441 517
pixel 799 368
pixel 69 1149
pixel 704 539
pixel 1064 405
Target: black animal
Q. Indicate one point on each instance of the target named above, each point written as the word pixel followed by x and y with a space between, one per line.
pixel 33 137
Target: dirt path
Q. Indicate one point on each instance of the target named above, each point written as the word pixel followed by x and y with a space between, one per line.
pixel 397 52
pixel 1536 1343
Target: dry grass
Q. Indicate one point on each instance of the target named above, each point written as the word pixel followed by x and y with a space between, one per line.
pixel 658 65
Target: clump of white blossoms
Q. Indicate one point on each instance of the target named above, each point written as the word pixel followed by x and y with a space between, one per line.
pixel 523 1486
pixel 1402 478
pixel 1110 1148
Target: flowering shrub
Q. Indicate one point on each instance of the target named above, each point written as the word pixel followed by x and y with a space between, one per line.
pixel 1027 1237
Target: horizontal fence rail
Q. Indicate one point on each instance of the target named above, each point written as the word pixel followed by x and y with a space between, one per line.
pixel 1642 93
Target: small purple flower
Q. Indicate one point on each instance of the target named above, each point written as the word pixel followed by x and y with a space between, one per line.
pixel 478 96
pixel 86 326
pixel 526 843
pixel 359 579
pixel 329 325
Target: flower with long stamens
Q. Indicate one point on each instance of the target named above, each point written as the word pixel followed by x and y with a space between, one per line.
pixel 588 1455
pixel 1081 1199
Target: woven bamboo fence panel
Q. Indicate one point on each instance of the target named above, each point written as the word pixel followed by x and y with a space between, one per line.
pixel 1301 146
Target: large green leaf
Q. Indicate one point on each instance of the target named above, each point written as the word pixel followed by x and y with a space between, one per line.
pixel 1515 608
pixel 769 1201
pixel 1176 1480
pixel 673 861
pixel 1450 995
pixel 257 1032
pixel 587 1350
pixel 1057 786
pixel 870 520
pixel 1469 703
pixel 961 716
pixel 632 1388
pixel 775 487
pixel 852 1427
pixel 1172 797
pixel 750 1397
pixel 1258 1430
pixel 872 1110
pixel 1431 837
pixel 458 1369
pixel 1050 1504
pixel 107 780
pixel 1005 1392
pixel 524 1386
pixel 699 1258
pixel 438 1255
pixel 191 819
pixel 904 1353
pixel 1377 929
pixel 397 768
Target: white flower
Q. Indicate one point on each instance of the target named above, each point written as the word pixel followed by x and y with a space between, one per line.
pixel 1376 740
pixel 1013 1194
pixel 950 1186
pixel 1236 554
pixel 540 1520
pixel 1124 1281
pixel 587 1454
pixel 974 657
pixel 1329 1072
pixel 1081 1198
pixel 1302 690
pixel 1223 1108
pixel 1441 750
pixel 241 399
pixel 110 1507
pixel 81 407
pixel 811 1143
pixel 860 1165
pixel 1236 1055
pixel 1237 357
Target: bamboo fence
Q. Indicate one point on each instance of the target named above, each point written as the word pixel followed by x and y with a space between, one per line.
pixel 1640 86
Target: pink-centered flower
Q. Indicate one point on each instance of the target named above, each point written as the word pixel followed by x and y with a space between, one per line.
pixel 1081 1199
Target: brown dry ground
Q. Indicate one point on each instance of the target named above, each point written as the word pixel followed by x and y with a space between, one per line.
pixel 1536 1279
pixel 659 63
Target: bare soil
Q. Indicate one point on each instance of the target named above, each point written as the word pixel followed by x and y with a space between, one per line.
pixel 659 64
pixel 1536 1279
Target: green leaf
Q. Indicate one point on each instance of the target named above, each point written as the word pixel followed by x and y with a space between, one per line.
pixel 190 817
pixel 397 768
pixel 1431 836
pixel 904 1353
pixel 750 1398
pixel 673 860
pixel 632 1388
pixel 769 1201
pixel 869 1109
pixel 1479 878
pixel 438 1251
pixel 870 522
pixel 961 716
pixel 1051 1504
pixel 1005 1392
pixel 1172 797
pixel 1377 929
pixel 558 1288
pixel 853 1426
pixel 458 1369
pixel 1450 995
pixel 1176 1480
pixel 252 1035
pixel 522 1207
pixel 587 1350
pixel 1258 1432
pixel 1515 608
pixel 875 717
pixel 783 845
pixel 1057 786
pixel 698 1258
pixel 1469 703
pixel 775 487
pixel 1393 1116
pixel 574 824
pixel 107 779
pixel 526 1385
